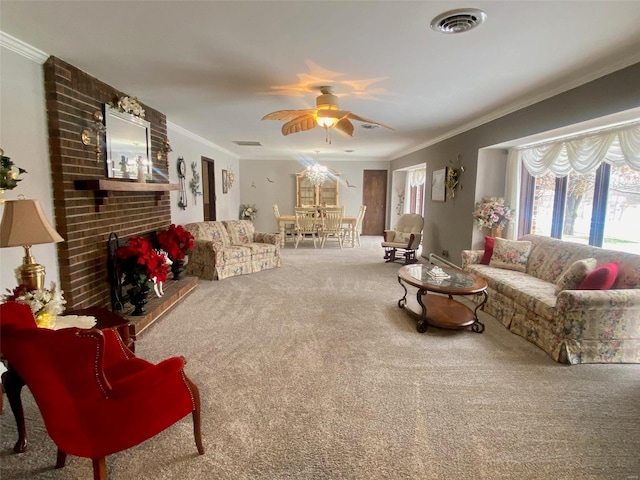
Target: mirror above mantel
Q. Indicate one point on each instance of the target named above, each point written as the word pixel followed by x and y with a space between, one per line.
pixel 128 141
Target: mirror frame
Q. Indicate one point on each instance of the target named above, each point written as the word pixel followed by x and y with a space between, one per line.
pixel 137 132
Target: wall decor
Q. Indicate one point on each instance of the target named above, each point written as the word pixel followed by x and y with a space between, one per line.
pixel 438 189
pixel 194 184
pixel 182 172
pixel 128 146
pixel 96 130
pixel 225 182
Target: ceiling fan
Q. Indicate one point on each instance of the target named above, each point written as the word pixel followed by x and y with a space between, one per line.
pixel 326 115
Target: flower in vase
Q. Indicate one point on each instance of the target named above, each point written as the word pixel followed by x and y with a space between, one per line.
pixel 176 241
pixel 45 303
pixel 248 212
pixel 139 264
pixel 492 212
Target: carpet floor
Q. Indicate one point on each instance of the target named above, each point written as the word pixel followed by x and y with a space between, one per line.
pixel 311 371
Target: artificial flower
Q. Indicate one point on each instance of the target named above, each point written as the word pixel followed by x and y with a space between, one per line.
pixel 492 212
pixel 176 241
pixel 248 212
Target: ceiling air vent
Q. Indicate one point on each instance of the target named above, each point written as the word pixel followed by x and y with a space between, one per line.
pixel 247 143
pixel 458 21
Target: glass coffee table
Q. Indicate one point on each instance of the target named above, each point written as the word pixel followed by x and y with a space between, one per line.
pixel 443 310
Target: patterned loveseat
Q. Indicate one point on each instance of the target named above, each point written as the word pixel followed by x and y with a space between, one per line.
pixel 572 326
pixel 231 247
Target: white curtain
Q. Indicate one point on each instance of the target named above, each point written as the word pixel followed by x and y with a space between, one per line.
pixel 618 146
pixel 417 177
pixel 512 192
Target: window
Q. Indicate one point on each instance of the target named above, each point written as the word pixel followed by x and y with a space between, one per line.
pixel 600 208
pixel 416 202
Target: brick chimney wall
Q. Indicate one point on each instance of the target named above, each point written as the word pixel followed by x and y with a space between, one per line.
pixel 85 218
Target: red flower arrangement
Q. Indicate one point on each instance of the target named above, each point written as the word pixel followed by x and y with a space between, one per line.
pixel 176 241
pixel 140 263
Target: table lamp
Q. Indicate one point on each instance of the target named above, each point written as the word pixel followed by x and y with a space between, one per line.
pixel 23 225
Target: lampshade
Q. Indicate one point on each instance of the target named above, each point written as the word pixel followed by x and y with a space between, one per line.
pixel 24 223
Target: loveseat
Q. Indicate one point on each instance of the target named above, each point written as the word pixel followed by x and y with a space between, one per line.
pixel 231 247
pixel 543 305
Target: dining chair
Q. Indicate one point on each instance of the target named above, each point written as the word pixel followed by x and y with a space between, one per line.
pixel 288 227
pixel 307 220
pixel 332 225
pixel 353 233
pixel 95 396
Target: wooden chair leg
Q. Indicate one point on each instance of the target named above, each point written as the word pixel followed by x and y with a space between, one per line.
pixel 99 469
pixel 197 431
pixel 61 460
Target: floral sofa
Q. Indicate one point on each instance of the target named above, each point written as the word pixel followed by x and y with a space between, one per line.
pixel 231 247
pixel 542 304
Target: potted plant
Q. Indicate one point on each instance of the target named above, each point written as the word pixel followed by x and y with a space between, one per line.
pixel 140 264
pixel 178 243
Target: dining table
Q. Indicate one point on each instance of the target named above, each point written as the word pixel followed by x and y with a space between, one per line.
pixel 290 220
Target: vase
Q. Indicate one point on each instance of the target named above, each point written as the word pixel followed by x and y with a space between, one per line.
pixel 177 268
pixel 496 231
pixel 138 299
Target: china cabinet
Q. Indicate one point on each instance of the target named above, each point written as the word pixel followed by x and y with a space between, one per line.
pixel 308 194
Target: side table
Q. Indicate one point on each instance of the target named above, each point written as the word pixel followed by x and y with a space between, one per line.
pixel 13 383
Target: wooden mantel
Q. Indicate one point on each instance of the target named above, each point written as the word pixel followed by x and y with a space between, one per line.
pixel 102 186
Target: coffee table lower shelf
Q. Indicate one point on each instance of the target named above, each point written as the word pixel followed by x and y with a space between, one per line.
pixel 444 312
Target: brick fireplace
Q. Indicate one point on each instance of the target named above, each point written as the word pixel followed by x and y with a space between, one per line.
pixel 87 206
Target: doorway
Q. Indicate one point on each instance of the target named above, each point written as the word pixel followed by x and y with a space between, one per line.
pixel 208 188
pixel 374 196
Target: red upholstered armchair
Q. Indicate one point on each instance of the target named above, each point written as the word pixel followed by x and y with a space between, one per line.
pixel 86 383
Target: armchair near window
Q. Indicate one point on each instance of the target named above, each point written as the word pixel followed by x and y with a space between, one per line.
pixel 86 383
pixel 406 236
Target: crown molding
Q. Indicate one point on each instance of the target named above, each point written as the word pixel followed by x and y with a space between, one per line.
pixel 539 97
pixel 198 138
pixel 22 48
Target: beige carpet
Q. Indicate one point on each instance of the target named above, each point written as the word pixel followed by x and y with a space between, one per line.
pixel 311 371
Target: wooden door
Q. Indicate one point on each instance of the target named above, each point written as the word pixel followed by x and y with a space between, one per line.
pixel 374 196
pixel 208 189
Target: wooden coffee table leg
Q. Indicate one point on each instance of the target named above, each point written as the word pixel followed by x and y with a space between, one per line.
pixel 403 301
pixel 478 326
pixel 13 384
pixel 422 323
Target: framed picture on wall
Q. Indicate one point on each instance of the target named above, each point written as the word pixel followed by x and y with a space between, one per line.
pixel 225 181
pixel 438 191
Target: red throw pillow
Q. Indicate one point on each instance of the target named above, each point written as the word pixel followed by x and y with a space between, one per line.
pixel 602 278
pixel 488 250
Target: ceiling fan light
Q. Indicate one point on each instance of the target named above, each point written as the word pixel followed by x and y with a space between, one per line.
pixel 326 122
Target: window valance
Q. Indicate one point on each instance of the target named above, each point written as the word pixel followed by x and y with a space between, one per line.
pixel 618 147
pixel 417 177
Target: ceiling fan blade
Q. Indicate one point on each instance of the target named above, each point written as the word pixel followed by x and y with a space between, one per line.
pixel 299 124
pixel 353 116
pixel 286 114
pixel 345 126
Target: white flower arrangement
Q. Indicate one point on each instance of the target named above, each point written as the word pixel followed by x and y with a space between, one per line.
pixel 128 105
pixel 492 212
pixel 248 212
pixel 45 303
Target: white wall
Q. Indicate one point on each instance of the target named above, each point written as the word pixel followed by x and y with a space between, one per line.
pixel 265 183
pixel 192 148
pixel 23 137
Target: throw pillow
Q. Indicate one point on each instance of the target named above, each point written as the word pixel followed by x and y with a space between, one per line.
pixel 575 273
pixel 510 254
pixel 488 250
pixel 602 278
